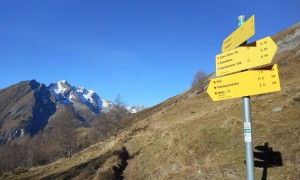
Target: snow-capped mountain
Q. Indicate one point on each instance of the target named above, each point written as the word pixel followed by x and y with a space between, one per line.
pixel 29 106
pixel 135 109
pixel 67 94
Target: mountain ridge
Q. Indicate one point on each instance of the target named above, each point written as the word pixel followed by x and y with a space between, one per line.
pixel 26 107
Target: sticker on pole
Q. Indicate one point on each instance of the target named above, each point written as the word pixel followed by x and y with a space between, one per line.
pixel 247 132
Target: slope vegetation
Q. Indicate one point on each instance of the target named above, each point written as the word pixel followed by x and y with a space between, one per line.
pixel 191 137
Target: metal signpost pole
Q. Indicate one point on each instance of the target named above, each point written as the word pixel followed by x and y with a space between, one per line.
pixel 248 138
pixel 247 128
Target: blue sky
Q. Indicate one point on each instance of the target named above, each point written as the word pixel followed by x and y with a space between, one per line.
pixel 146 50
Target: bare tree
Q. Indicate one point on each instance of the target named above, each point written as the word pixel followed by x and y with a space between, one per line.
pixel 100 128
pixel 66 134
pixel 8 161
pixel 199 80
pixel 39 150
pixel 68 137
pixel 117 112
pixel 14 155
pixel 36 151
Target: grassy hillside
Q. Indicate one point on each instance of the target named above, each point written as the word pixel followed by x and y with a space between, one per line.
pixel 191 137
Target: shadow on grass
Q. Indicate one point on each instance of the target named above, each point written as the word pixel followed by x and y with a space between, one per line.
pixel 88 168
pixel 123 157
pixel 118 170
pixel 267 159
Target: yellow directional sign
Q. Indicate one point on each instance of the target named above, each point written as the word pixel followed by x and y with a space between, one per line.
pixel 246 57
pixel 245 83
pixel 240 35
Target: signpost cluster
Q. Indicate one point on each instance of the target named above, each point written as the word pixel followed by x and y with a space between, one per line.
pixel 237 78
pixel 235 60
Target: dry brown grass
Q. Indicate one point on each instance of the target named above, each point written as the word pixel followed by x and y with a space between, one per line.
pixel 201 139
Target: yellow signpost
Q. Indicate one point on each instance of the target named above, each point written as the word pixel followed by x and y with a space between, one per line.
pixel 246 83
pixel 240 35
pixel 246 57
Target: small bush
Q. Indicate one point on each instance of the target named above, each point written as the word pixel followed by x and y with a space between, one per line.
pixel 199 81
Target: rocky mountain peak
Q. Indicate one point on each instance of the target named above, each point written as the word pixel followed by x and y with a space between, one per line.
pixel 67 94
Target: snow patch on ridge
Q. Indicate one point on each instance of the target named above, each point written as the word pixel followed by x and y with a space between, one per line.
pixel 68 94
pixel 136 108
pixel 62 87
